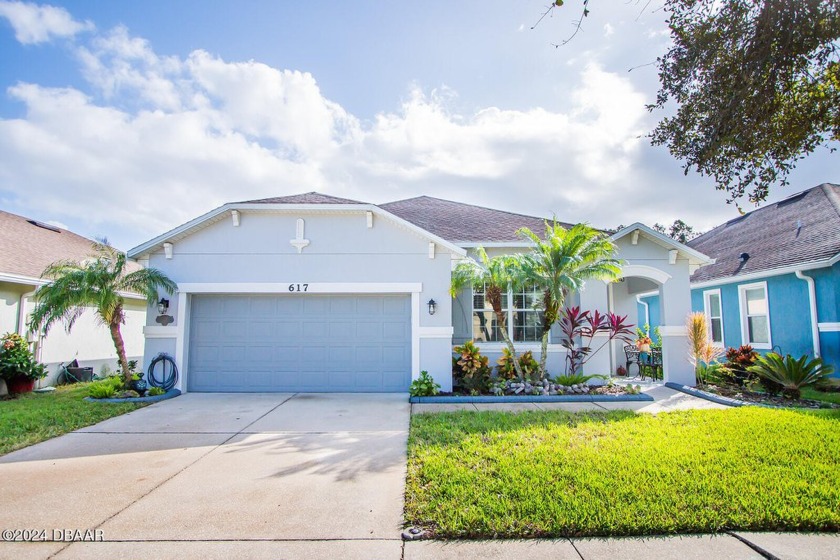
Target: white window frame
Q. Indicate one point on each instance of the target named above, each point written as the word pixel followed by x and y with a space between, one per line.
pixel 510 310
pixel 742 302
pixel 707 307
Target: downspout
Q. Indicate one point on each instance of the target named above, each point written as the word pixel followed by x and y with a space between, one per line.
pixel 812 300
pixel 21 320
pixel 645 305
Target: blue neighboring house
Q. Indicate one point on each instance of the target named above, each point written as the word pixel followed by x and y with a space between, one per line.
pixel 775 282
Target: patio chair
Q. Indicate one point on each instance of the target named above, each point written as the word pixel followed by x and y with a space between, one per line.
pixel 651 360
pixel 631 355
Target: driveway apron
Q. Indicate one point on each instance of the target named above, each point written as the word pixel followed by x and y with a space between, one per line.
pixel 306 471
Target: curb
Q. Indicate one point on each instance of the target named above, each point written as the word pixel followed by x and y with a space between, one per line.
pixel 530 399
pixel 170 394
pixel 707 396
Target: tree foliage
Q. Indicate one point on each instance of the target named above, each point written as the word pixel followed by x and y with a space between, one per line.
pixel 97 283
pixel 756 85
pixel 679 231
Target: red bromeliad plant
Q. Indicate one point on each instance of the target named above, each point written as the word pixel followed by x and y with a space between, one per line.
pixel 581 327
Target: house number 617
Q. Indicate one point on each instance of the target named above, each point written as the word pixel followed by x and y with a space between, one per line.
pixel 298 287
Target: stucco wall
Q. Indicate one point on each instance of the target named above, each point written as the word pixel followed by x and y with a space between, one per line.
pixel 790 320
pixel 342 250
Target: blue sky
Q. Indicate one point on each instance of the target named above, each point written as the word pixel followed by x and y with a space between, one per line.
pixel 125 119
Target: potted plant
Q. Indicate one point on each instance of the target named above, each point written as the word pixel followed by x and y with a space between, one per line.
pixel 643 344
pixel 18 366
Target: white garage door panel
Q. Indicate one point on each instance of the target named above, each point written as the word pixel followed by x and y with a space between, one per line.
pixel 283 343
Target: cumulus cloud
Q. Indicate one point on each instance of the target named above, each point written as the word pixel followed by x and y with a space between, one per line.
pixel 35 24
pixel 158 140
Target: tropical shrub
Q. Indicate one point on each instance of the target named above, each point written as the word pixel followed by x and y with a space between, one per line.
pixel 575 379
pixel 471 371
pixel 790 373
pixel 529 367
pixel 423 386
pixel 583 326
pixel 702 352
pixel 738 361
pixel 102 390
pixel 17 361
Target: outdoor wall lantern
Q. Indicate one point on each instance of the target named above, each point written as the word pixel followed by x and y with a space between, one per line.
pixel 163 306
pixel 432 306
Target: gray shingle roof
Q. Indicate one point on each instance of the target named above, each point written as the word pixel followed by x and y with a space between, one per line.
pixel 305 198
pixel 464 223
pixel 803 228
pixel 26 248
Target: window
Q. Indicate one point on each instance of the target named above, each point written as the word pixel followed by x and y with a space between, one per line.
pixel 714 314
pixel 755 315
pixel 524 320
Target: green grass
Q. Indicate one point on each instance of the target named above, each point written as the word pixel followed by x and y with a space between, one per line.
pixel 813 394
pixel 34 417
pixel 540 474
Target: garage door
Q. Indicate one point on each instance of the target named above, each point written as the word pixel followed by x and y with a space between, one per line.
pixel 308 343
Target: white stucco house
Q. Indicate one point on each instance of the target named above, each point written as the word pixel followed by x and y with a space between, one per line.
pixel 314 293
pixel 27 247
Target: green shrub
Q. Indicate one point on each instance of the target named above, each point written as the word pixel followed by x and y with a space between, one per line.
pixel 576 379
pixel 471 370
pixel 155 391
pixel 102 390
pixel 789 373
pixel 423 386
pixel 530 367
pixel 17 361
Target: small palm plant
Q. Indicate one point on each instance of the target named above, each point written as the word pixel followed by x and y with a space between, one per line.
pixel 790 373
pixel 96 283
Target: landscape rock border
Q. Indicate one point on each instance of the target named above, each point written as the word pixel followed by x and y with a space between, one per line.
pixel 170 394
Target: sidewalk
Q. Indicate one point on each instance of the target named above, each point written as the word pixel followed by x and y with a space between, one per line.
pixel 781 546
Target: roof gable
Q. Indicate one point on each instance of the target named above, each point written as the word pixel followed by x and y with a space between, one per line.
pixel 465 223
pixel 804 228
pixel 305 198
pixel 695 258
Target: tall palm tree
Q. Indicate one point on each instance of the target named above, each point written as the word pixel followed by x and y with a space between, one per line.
pixel 99 283
pixel 493 275
pixel 561 262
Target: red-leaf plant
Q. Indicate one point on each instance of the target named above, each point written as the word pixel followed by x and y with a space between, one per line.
pixel 581 327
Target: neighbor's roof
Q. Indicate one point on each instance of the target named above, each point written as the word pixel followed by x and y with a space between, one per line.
pixel 465 223
pixel 305 198
pixel 802 229
pixel 27 247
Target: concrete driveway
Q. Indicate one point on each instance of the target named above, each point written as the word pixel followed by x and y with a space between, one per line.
pixel 199 476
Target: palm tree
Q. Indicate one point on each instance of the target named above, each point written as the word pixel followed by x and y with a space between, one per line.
pixel 99 283
pixel 561 262
pixel 494 275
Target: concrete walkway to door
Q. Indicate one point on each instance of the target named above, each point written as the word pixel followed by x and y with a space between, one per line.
pixel 219 476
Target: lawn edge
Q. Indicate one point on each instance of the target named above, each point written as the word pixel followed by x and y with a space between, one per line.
pixel 463 399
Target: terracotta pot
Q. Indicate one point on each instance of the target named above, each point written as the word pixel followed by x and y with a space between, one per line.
pixel 20 385
pixel 644 348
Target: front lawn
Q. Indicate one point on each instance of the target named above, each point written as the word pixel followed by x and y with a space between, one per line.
pixel 35 417
pixel 540 474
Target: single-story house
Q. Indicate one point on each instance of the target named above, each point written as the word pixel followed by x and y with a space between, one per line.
pixel 775 282
pixel 27 247
pixel 315 293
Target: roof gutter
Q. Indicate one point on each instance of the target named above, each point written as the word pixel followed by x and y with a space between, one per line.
pixel 812 300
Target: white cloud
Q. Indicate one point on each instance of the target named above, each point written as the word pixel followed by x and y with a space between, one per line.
pixel 159 140
pixel 35 24
pixel 608 30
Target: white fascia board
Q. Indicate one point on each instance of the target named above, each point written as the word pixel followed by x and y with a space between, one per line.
pixel 763 274
pixel 694 257
pixel 146 247
pixel 290 208
pixel 310 288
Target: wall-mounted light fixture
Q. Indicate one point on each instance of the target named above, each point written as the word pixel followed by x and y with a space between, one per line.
pixel 163 306
pixel 432 306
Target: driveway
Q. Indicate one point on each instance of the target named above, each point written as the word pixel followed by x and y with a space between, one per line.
pixel 218 476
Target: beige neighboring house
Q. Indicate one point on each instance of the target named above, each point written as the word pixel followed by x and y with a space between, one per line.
pixel 26 248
